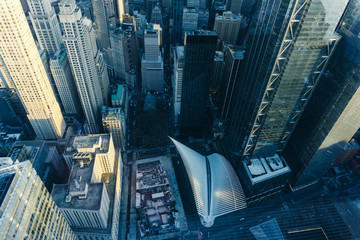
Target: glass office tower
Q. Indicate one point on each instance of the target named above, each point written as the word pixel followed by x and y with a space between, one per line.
pixel 289 45
pixel 332 115
pixel 199 54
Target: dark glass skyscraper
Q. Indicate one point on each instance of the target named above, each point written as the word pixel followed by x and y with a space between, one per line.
pixel 177 13
pixel 240 6
pixel 332 115
pixel 232 58
pixel 198 61
pixel 288 47
pixel 264 42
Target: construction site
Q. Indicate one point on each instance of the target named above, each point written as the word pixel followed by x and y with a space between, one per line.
pixel 155 202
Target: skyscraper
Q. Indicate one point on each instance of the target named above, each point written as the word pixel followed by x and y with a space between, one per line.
pixel 232 59
pixel 46 25
pixel 177 11
pixel 331 117
pixel 45 159
pixel 152 66
pixel 281 67
pixel 90 201
pixel 240 6
pixel 64 81
pixel 189 20
pixel 177 80
pixel 149 5
pixel 199 54
pixel 227 26
pixel 203 19
pixel 110 11
pixel 103 75
pixel 6 80
pixel 81 52
pixel 156 15
pixel 124 51
pixel 218 70
pixel 45 60
pixel 120 9
pixel 21 57
pixel 28 210
pixel 114 122
pixel 102 30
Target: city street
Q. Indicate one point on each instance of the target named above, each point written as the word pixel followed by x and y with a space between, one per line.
pixel 299 204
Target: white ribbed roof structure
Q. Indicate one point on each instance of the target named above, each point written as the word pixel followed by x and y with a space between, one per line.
pixel 215 185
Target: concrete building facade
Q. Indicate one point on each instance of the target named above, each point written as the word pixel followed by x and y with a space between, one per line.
pixel 46 25
pixel 227 26
pixel 64 81
pixel 177 80
pixel 80 49
pixel 24 64
pixel 152 66
pixel 90 201
pixel 114 122
pixel 102 31
pixel 189 19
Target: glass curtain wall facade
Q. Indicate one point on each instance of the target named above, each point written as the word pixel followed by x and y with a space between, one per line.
pixel 177 12
pixel 314 44
pixel 266 35
pixel 277 82
pixel 332 116
pixel 198 62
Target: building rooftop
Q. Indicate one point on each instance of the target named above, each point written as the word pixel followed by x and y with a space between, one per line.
pixel 9 135
pixel 228 16
pixel 5 182
pixel 267 230
pixel 201 33
pixel 96 143
pixel 262 169
pixel 118 95
pixel 180 52
pixel 30 148
pixel 60 55
pixel 151 31
pixel 236 51
pixel 216 187
pixel 109 114
pixel 79 193
pixel 190 10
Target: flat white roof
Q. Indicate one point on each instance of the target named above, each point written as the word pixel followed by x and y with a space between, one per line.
pixel 261 169
pixel 215 185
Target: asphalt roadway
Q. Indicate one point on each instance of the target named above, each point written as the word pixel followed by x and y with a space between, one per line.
pixel 308 208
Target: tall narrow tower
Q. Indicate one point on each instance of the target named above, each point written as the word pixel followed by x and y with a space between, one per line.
pixel 121 9
pixel 199 52
pixel 102 31
pixel 81 53
pixel 20 55
pixel 46 25
pixel 281 67
pixel 332 116
pixel 152 65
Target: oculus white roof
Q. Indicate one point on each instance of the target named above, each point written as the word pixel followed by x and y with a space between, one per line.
pixel 215 185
